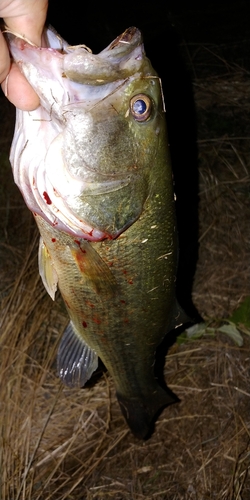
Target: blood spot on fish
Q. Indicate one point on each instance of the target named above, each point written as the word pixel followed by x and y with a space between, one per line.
pixel 56 192
pixel 21 44
pixel 79 244
pixel 47 198
pixel 88 303
pixel 84 324
pixel 125 320
pixel 53 240
pixel 81 261
pixel 123 301
pixel 130 282
pixel 124 271
pixel 97 321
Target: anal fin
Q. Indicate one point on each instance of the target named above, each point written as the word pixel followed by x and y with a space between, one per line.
pixel 76 361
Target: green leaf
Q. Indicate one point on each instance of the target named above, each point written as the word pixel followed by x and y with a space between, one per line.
pixel 196 331
pixel 182 338
pixel 241 316
pixel 232 332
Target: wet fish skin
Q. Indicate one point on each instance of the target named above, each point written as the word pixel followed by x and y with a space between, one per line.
pixel 100 187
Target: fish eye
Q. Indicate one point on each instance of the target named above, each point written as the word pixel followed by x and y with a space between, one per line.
pixel 140 107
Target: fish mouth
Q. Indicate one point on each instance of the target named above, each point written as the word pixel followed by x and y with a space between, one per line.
pixel 130 35
pixel 110 65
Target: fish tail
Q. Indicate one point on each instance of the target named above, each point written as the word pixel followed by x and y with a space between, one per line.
pixel 140 413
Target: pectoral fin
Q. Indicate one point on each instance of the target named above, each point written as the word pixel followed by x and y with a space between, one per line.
pixel 47 270
pixel 76 361
pixel 91 265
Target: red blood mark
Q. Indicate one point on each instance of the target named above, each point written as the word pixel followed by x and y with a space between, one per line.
pixel 124 271
pixel 125 320
pixel 122 301
pixel 79 244
pixel 47 198
pixel 130 282
pixel 81 261
pixel 88 303
pixel 53 240
pixel 84 324
pixel 97 321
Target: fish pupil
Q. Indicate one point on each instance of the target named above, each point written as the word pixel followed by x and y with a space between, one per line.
pixel 139 107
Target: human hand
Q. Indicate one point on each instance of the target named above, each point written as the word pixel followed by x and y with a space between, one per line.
pixel 26 17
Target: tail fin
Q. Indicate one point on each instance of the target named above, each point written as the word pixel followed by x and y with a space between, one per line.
pixel 140 413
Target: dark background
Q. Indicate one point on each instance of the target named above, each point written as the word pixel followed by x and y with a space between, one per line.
pixel 98 22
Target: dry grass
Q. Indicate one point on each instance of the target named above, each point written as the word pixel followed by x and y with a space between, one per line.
pixel 224 184
pixel 61 444
pixel 58 443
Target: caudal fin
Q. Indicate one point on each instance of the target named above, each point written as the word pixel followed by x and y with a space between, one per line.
pixel 139 413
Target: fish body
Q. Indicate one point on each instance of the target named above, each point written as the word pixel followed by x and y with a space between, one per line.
pixel 93 165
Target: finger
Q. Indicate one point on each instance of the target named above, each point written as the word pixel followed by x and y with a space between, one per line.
pixel 26 17
pixel 4 59
pixel 19 91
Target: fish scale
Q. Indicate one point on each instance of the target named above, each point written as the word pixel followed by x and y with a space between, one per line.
pixel 101 190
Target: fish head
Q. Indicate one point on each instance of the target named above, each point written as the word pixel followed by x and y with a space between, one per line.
pixel 96 134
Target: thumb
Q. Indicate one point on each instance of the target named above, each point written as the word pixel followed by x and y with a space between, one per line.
pixel 4 59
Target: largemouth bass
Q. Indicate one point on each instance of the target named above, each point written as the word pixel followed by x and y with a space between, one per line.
pixel 93 165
